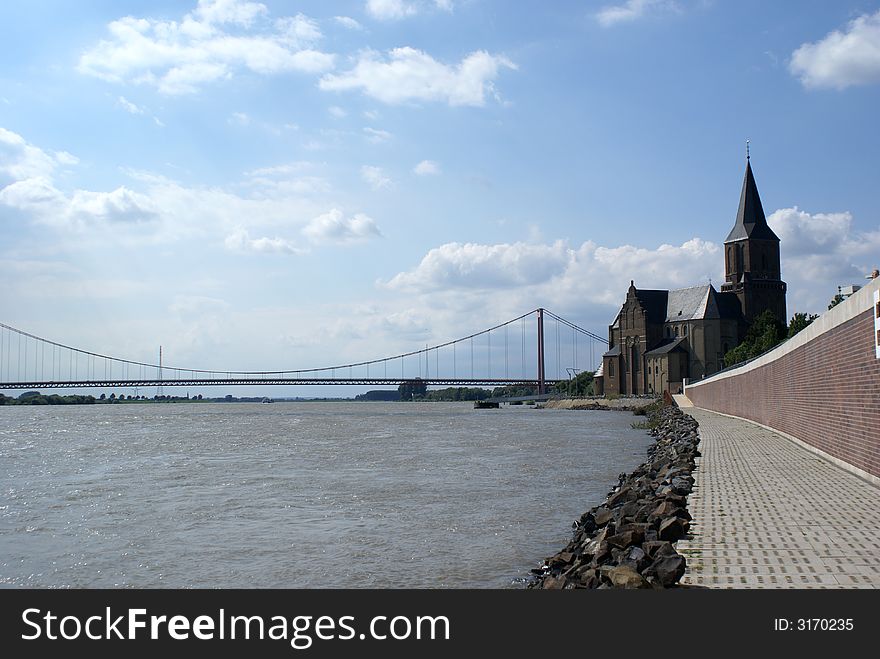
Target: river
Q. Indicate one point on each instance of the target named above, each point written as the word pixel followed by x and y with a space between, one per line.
pixel 299 494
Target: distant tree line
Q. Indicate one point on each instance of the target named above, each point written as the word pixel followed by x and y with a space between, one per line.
pixel 36 398
pixel 417 390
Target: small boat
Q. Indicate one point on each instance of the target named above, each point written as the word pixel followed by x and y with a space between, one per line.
pixel 267 400
pixel 485 405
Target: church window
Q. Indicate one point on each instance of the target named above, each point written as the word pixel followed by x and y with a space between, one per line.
pixel 676 330
pixel 611 369
pixel 685 330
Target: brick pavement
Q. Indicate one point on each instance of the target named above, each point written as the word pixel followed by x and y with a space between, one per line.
pixel 770 514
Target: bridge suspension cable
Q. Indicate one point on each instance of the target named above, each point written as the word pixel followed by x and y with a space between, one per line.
pixel 36 361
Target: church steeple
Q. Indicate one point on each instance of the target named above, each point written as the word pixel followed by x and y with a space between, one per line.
pixel 751 255
pixel 750 220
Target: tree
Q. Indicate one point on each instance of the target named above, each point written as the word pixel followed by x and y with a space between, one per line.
pixel 837 299
pixel 103 397
pixel 412 389
pixel 580 385
pixel 765 333
pixel 800 321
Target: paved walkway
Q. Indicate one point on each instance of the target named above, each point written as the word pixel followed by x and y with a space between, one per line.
pixel 770 514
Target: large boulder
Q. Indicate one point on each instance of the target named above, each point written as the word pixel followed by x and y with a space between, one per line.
pixel 667 569
pixel 624 576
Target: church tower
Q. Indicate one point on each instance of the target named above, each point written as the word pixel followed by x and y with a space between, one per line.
pixel 751 254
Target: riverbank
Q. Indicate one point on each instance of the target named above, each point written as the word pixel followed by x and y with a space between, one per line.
pixel 623 404
pixel 628 540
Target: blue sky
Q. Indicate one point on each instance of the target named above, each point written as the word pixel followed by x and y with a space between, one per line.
pixel 285 184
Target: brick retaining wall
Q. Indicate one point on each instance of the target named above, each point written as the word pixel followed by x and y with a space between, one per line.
pixel 822 387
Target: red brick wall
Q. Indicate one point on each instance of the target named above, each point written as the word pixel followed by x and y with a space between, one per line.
pixel 825 392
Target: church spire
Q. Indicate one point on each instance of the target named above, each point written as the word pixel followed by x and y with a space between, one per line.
pixel 750 220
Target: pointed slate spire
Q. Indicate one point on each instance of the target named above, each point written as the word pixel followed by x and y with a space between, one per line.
pixel 750 220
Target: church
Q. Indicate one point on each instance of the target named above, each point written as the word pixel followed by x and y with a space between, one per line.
pixel 661 337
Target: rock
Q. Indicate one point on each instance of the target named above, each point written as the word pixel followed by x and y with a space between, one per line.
pixel 623 576
pixel 657 548
pixel 626 542
pixel 668 509
pixel 682 485
pixel 673 528
pixel 629 509
pixel 636 558
pixel 553 583
pixel 667 569
pixel 602 516
pixel 626 539
pixel 621 497
pixel 561 559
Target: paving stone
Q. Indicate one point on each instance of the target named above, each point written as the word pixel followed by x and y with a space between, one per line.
pixel 769 514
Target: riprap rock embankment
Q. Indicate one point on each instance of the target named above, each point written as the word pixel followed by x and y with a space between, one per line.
pixel 628 540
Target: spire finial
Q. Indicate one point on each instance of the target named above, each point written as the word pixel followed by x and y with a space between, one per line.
pixel 748 156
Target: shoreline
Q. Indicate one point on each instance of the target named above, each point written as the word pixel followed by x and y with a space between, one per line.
pixel 622 404
pixel 628 540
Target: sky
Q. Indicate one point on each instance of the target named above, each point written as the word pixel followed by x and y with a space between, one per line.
pixel 279 185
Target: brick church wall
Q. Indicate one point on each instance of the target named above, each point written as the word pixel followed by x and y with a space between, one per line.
pixel 822 387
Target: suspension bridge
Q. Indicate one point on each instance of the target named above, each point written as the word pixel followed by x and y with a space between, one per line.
pixel 517 352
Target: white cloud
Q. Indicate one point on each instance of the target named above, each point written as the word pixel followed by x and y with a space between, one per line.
pixel 128 106
pixel 469 265
pixel 240 118
pixel 802 233
pixel 282 170
pixel 427 168
pixel 337 111
pixel 38 198
pixel 375 176
pixel 229 11
pixel 120 205
pixel 630 10
pixel 821 251
pixel 348 22
pixel 178 57
pixel 20 160
pixel 334 228
pixel 35 195
pixel 384 10
pixel 408 75
pixel 299 31
pixel 240 241
pixel 841 59
pixel 376 135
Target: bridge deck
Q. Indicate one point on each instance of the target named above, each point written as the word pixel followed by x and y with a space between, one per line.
pixel 220 381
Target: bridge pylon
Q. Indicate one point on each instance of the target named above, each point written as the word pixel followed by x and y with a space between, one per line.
pixel 541 379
